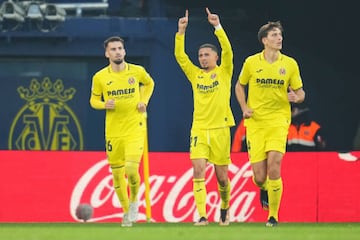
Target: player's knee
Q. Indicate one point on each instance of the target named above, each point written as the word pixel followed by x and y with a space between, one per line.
pixel 274 170
pixel 222 183
pixel 274 174
pixel 259 180
pixel 198 173
pixel 118 175
pixel 132 171
pixel 199 168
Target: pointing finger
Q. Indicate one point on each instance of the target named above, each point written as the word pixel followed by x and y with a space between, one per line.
pixel 208 11
pixel 187 13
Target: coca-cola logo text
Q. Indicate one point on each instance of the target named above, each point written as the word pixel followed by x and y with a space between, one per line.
pixel 172 194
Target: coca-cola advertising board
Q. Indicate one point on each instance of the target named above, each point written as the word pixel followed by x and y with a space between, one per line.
pixel 47 186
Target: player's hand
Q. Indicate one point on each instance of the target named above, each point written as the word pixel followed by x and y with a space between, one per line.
pixel 110 104
pixel 183 22
pixel 141 107
pixel 292 96
pixel 247 113
pixel 213 18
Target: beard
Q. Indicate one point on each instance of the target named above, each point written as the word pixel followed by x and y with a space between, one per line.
pixel 118 61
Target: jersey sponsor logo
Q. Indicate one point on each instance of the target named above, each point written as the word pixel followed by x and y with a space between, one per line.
pixel 207 88
pixel 46 122
pixel 270 83
pixel 120 92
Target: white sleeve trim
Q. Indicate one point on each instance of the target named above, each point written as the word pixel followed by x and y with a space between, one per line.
pixel 217 27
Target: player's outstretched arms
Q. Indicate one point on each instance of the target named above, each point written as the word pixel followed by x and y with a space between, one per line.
pixel 183 22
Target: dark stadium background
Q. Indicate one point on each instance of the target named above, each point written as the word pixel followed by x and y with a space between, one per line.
pixel 320 35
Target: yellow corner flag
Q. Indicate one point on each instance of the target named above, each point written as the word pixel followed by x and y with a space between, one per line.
pixel 146 172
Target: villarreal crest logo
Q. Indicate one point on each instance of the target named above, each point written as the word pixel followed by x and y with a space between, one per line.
pixel 45 122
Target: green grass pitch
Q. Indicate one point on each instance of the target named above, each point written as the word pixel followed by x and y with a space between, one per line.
pixel 179 231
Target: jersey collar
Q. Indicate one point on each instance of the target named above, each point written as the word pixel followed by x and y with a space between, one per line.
pixel 125 69
pixel 262 58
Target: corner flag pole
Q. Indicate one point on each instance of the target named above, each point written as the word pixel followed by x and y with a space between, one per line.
pixel 146 173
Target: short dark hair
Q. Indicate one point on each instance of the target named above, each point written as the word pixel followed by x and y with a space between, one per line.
pixel 208 45
pixel 265 29
pixel 113 39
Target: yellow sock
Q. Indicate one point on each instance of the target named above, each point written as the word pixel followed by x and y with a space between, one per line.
pixel 263 186
pixel 200 193
pixel 132 173
pixel 120 187
pixel 275 189
pixel 224 195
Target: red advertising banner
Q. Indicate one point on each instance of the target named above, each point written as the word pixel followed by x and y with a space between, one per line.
pixel 47 186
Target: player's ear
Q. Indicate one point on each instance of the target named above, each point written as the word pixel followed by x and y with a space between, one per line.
pixel 264 41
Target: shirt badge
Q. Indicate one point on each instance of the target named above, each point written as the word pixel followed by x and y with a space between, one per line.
pixel 131 81
pixel 282 71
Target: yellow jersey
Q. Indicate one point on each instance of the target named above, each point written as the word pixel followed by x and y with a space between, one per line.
pixel 127 88
pixel 268 85
pixel 211 90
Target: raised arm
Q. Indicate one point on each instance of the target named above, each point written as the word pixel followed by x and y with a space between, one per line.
pixel 213 18
pixel 181 57
pixel 226 49
pixel 183 22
